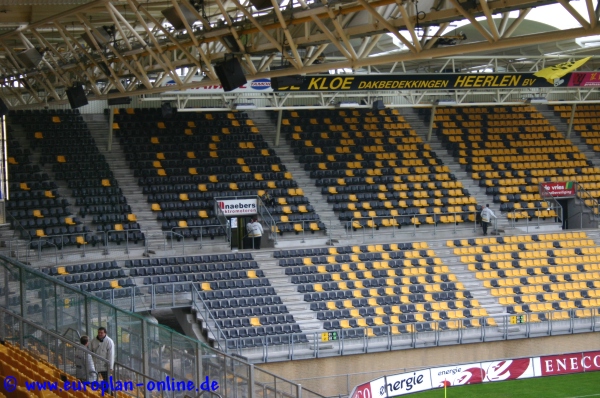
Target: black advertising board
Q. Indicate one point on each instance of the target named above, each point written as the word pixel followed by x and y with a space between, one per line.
pixel 437 81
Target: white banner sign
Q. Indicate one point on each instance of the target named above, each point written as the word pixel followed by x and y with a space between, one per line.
pixel 404 383
pixel 456 375
pixel 252 86
pixel 237 207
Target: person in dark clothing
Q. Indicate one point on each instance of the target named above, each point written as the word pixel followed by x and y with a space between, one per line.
pixel 268 199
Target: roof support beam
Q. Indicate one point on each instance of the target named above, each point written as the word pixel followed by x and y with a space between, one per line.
pixel 286 32
pixel 515 24
pixel 248 62
pixel 437 35
pixel 55 53
pixel 392 29
pixel 591 13
pixel 207 62
pixel 100 52
pixel 334 40
pixel 68 39
pixel 158 59
pixel 267 35
pixel 490 19
pixel 315 55
pixel 503 23
pixel 340 31
pixel 409 25
pixel 585 24
pixel 142 73
pixel 473 21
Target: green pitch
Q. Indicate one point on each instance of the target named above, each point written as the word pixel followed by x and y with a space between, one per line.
pixel 568 386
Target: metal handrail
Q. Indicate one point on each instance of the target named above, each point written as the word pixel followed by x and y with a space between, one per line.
pixel 207 314
pixel 514 217
pixel 588 196
pixel 223 221
pixel 397 224
pixel 20 227
pixel 265 214
pixel 39 250
pixel 201 236
pixel 91 312
pixel 314 338
pixel 275 231
pixel 64 343
pixel 297 342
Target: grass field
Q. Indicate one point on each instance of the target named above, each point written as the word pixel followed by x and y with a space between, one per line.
pixel 567 386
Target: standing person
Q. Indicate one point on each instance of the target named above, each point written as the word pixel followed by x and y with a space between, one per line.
pixel 486 218
pixel 104 347
pixel 84 365
pixel 255 232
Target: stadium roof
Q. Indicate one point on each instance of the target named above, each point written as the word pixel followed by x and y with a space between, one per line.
pixel 131 47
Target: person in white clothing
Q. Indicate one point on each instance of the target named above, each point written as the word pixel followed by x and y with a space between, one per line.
pixel 486 218
pixel 255 232
pixel 104 347
pixel 84 365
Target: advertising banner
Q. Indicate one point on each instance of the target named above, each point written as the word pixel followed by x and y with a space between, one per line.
pixel 425 81
pixel 405 383
pixel 237 207
pixel 509 369
pixel 475 373
pixel 456 375
pixel 584 79
pixel 558 189
pixel 363 391
pixel 252 86
pixel 569 363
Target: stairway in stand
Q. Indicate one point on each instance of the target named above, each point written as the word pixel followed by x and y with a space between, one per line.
pixel 267 127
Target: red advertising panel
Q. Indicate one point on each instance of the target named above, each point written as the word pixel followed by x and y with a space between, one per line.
pixel 558 189
pixel 570 363
pixel 363 391
pixel 509 369
pixel 584 79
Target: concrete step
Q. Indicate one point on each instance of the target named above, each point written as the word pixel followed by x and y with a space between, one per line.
pixel 268 129
pixel 124 175
pixel 421 126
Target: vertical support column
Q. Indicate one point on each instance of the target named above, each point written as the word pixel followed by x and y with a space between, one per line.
pixel 4 194
pixel 22 302
pixel 251 378
pixel 111 118
pixel 199 373
pixel 433 109
pixel 2 326
pixel 571 119
pixel 278 133
pixel 145 355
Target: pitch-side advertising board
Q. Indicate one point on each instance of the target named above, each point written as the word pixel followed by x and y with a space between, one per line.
pixel 475 373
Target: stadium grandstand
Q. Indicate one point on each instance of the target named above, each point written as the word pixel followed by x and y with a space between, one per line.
pixel 142 138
